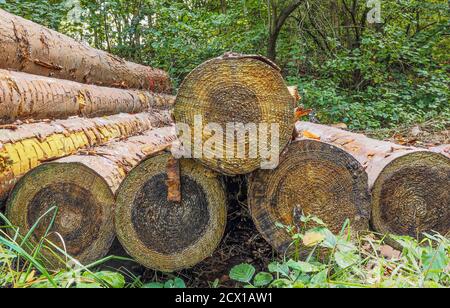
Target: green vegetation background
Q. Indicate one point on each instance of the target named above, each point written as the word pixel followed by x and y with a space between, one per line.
pixel 366 75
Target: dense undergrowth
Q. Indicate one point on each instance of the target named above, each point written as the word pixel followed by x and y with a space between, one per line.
pixel 344 260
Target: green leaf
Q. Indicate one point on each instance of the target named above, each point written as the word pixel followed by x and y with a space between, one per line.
pixel 242 273
pixel 178 283
pixel 263 279
pixel 153 285
pixel 279 268
pixel 346 259
pixel 302 267
pixel 113 280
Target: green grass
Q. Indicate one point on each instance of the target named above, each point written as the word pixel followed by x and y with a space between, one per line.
pixel 318 259
pixel 353 260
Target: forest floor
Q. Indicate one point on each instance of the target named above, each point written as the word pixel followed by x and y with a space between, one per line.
pixel 243 244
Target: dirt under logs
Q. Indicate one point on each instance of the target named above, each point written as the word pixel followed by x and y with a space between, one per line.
pixel 313 178
pixel 410 186
pixel 80 190
pixel 170 236
pixel 235 89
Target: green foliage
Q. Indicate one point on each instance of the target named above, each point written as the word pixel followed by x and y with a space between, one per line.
pixel 366 75
pixel 176 283
pixel 22 264
pixel 346 260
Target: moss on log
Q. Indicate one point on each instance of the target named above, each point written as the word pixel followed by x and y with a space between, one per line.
pixel 313 178
pixel 26 146
pixel 28 47
pixel 410 186
pixel 232 89
pixel 164 235
pixel 82 188
pixel 30 97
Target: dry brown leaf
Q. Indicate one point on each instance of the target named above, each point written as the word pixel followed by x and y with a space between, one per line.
pixel 312 239
pixel 389 253
pixel 309 135
pixel 301 112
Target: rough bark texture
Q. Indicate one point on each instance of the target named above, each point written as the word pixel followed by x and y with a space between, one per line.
pixel 235 89
pixel 410 186
pixel 29 145
pixel 82 188
pixel 169 236
pixel 313 178
pixel 24 96
pixel 31 48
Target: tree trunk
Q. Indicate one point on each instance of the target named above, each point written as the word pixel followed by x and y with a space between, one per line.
pixel 31 48
pixel 170 236
pixel 234 88
pixel 313 178
pixel 410 186
pixel 24 96
pixel 29 145
pixel 82 188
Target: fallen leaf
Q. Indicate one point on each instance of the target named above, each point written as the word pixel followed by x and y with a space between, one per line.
pixel 312 239
pixel 309 135
pixel 389 253
pixel 340 126
pixel 301 112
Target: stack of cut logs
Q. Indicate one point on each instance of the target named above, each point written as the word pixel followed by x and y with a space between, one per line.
pixel 85 141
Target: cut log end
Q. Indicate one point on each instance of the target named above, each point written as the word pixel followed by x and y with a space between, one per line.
pixel 84 211
pixel 313 178
pixel 412 195
pixel 230 90
pixel 164 235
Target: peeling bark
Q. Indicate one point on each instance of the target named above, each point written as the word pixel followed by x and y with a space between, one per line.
pixel 28 47
pixel 24 96
pixel 29 145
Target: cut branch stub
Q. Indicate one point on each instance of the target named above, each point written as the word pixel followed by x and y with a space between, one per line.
pixel 234 89
pixel 410 186
pixel 313 178
pixel 165 236
pixel 173 180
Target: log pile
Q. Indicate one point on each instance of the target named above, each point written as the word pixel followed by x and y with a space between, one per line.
pixel 410 186
pixel 82 187
pixel 89 150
